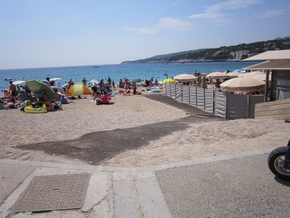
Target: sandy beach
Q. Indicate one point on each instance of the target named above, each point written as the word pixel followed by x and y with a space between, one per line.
pixel 156 133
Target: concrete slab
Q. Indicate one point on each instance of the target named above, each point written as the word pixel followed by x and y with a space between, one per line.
pixel 150 196
pixel 241 187
pixel 126 199
pixel 11 176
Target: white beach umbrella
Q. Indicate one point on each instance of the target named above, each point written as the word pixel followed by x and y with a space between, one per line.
pixel 94 81
pixel 56 79
pixel 185 77
pixel 234 74
pixel 242 83
pixel 46 82
pixel 252 74
pixel 18 82
pixel 217 75
pixel 262 77
pixel 65 85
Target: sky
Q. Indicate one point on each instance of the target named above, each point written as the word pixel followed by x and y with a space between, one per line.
pixel 53 33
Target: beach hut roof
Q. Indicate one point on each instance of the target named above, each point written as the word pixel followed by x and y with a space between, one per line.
pixel 271 55
pixel 270 65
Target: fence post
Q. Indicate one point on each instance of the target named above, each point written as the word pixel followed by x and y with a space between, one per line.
pixel 226 105
pixel 204 101
pixel 175 90
pixel 248 106
pixel 181 92
pixel 213 102
pixel 188 93
pixel 196 96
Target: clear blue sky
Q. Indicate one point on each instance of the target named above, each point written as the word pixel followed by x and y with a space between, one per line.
pixel 48 33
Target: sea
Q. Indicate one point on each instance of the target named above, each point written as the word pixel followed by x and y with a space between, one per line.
pixel 116 72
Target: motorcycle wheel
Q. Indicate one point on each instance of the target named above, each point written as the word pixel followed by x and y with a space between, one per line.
pixel 276 163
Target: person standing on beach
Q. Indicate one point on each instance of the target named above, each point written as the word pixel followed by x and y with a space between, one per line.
pixel 134 88
pixel 12 91
pixel 217 84
pixel 70 83
pixel 102 86
pixel 27 90
pixel 84 81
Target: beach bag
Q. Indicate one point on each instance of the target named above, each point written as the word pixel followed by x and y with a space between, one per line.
pixel 26 103
pixel 99 102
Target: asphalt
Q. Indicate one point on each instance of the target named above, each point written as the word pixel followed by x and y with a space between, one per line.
pixel 237 185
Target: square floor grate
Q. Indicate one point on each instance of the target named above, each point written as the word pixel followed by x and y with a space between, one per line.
pixel 55 192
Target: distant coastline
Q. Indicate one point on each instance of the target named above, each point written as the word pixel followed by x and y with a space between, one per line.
pixel 182 61
pixel 235 53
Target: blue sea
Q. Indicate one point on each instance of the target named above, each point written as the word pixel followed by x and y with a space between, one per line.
pixel 116 71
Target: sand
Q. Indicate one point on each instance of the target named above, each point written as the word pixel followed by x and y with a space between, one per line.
pixel 199 140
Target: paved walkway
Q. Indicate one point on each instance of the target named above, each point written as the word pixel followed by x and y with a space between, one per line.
pixel 237 185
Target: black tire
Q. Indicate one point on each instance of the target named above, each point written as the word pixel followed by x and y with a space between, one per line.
pixel 276 163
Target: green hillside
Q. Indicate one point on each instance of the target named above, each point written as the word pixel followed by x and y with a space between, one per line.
pixel 224 53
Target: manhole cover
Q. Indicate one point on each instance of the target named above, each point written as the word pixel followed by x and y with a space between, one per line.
pixel 56 192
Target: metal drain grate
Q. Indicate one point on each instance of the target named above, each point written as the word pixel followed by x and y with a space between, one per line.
pixel 56 192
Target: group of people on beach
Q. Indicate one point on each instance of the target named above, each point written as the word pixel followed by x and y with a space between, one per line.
pixel 102 93
pixel 21 96
pixel 11 99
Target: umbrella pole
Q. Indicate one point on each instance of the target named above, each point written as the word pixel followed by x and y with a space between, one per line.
pixel 266 86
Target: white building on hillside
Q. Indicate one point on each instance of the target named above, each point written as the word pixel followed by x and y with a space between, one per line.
pixel 239 54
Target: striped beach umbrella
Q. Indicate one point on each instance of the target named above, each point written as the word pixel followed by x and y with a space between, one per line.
pixel 79 89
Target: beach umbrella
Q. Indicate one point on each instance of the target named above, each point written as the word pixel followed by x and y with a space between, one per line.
pixel 217 75
pixel 234 74
pixel 36 86
pixel 252 74
pixel 136 80
pixel 79 89
pixel 242 83
pixel 262 77
pixel 46 82
pixel 56 79
pixel 65 86
pixel 94 81
pixel 185 77
pixel 172 81
pixel 18 82
pixel 56 88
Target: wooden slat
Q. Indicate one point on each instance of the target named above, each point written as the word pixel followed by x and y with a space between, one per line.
pixel 273 110
pixel 273 107
pixel 284 101
pixel 277 117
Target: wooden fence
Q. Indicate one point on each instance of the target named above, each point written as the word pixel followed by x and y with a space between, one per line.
pixel 278 110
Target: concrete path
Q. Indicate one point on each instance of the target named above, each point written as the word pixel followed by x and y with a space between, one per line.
pixel 237 185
